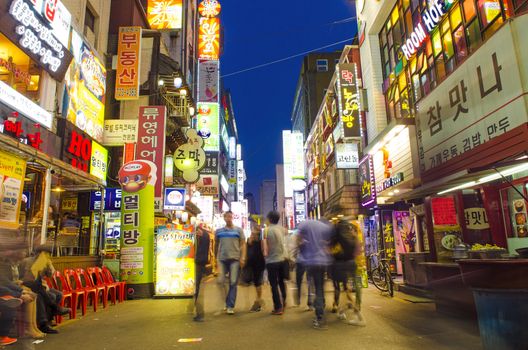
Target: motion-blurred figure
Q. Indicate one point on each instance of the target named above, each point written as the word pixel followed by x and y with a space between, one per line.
pixel 203 242
pixel 256 264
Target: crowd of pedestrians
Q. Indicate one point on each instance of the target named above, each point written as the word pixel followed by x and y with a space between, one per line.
pixel 319 250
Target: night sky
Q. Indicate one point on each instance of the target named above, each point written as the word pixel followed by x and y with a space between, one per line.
pixel 258 32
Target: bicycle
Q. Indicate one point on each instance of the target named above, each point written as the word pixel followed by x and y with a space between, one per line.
pixel 381 275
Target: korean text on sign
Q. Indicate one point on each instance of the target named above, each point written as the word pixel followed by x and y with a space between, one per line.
pixel 128 60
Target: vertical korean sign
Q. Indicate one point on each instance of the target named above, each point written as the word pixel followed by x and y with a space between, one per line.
pixel 366 181
pixel 349 100
pixel 128 62
pixel 209 38
pixel 137 179
pixel 12 173
pixel 151 144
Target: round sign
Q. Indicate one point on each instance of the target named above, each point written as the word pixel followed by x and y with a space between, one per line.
pixel 209 8
pixel 175 197
pixel 298 185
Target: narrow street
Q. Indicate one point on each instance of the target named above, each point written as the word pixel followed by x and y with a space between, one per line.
pixel 160 324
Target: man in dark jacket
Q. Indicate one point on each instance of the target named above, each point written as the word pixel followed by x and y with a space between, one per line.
pixel 200 261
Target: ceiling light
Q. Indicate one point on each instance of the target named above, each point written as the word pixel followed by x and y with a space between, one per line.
pixel 161 82
pixel 396 191
pixel 391 193
pixel 459 187
pixel 178 82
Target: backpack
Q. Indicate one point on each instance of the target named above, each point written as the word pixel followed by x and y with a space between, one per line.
pixel 345 242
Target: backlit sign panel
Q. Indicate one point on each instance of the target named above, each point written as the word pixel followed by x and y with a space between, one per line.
pixel 128 63
pixel 349 104
pixel 165 14
pixel 209 38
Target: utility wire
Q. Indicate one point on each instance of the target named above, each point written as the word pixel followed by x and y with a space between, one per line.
pixel 286 58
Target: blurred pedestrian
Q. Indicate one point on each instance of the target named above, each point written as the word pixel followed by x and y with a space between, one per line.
pixel 314 240
pixel 275 253
pixel 300 272
pixel 201 259
pixel 345 247
pixel 230 250
pixel 256 264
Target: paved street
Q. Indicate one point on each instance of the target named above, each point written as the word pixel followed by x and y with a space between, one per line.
pixel 159 324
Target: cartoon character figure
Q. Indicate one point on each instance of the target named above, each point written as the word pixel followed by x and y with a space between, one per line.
pixel 387 163
pixel 136 175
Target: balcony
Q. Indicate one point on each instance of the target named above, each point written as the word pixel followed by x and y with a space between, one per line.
pixel 177 108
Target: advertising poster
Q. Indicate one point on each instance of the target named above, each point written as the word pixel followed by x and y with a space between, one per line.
pixel 404 235
pixel 447 231
pixel 174 261
pixel 209 125
pixel 85 89
pixel 12 173
pixel 128 63
pixel 151 144
pixel 137 180
pixel 209 81
pixel 388 238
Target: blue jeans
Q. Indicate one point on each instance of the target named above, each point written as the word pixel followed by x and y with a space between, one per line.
pixel 318 274
pixel 231 267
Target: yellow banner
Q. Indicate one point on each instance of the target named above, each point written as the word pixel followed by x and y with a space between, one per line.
pixel 12 174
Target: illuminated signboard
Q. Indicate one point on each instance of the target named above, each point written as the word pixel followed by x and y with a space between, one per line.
pixel 77 147
pixel 208 81
pixel 99 161
pixel 209 38
pixel 174 199
pixel 208 125
pixel 430 18
pixel 287 161
pixel 366 181
pixel 23 24
pixel 296 147
pixel 348 93
pixel 209 8
pixel 241 177
pixel 347 156
pixel 165 14
pixel 24 105
pixel 128 62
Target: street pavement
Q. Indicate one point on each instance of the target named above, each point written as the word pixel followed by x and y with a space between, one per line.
pixel 391 323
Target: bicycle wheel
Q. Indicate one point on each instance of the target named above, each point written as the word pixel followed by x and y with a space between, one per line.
pixel 389 282
pixel 378 279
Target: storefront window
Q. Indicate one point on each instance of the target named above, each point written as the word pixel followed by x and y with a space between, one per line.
pixel 514 212
pixel 469 10
pixel 488 10
pixel 460 43
pixel 473 36
pixel 18 70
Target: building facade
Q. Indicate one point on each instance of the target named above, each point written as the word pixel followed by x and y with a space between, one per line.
pixel 267 197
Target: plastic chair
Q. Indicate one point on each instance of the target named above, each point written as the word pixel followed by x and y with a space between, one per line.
pixel 66 296
pixel 76 285
pixel 110 288
pixel 76 298
pixel 121 286
pixel 88 282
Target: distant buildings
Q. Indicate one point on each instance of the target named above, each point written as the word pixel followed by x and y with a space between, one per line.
pixel 267 197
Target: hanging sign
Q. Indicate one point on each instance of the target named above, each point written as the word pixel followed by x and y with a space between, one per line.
pixel 209 39
pixel 348 94
pixel 117 132
pixel 174 199
pixel 190 157
pixel 209 8
pixel 347 155
pixel 128 64
pixel 367 182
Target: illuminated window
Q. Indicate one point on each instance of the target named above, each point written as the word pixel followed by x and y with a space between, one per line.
pixel 469 10
pixel 322 65
pixel 488 11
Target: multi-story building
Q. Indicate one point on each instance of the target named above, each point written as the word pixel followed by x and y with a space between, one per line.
pixel 445 83
pixel 267 197
pixel 316 72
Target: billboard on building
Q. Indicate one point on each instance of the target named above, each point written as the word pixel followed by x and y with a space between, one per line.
pixel 128 63
pixel 208 81
pixel 349 104
pixel 209 39
pixel 165 14
pixel 209 125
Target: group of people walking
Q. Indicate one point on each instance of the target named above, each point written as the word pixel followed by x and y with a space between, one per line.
pixel 317 249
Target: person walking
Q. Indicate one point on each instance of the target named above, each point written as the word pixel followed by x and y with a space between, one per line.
pixel 314 239
pixel 230 250
pixel 274 251
pixel 256 264
pixel 201 258
pixel 300 272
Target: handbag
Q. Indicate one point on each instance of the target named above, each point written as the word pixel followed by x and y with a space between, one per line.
pixel 246 276
pixel 286 270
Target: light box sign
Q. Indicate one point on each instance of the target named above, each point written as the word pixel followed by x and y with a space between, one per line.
pixel 209 81
pixel 117 132
pixel 348 94
pixel 165 14
pixel 211 163
pixel 24 25
pixel 112 200
pixel 128 64
pixel 174 199
pixel 12 173
pixel 86 88
pixel 209 38
pixel 347 155
pixel 99 161
pixel 367 182
pixel 206 206
pixel 287 154
pixel 208 125
pixel 77 146
pixel 297 155
pixel 57 16
pixel 207 185
pixel 209 8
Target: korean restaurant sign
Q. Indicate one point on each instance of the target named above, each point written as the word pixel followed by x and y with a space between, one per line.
pixel 241 177
pixel 24 105
pixel 85 89
pixel 24 25
pixel 190 157
pixel 57 16
pixel 347 155
pixel 117 132
pixel 208 81
pixel 479 101
pixel 165 14
pixel 209 38
pixel 366 181
pixel 99 161
pixel 128 63
pixel 151 144
pixel 208 185
pixel 209 125
pixel 348 94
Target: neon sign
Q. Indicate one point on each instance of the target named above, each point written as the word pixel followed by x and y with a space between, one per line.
pixel 209 39
pixel 430 18
pixel 209 8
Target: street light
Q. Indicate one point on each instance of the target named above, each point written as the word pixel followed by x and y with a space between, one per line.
pixel 178 82
pixel 161 82
pixel 191 111
pixel 183 92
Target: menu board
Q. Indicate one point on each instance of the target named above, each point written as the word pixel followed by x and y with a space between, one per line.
pixel 444 211
pixel 520 218
pixel 12 173
pixel 175 261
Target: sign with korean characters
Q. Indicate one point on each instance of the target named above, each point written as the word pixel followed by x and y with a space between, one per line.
pixel 117 132
pixel 367 182
pixel 347 155
pixel 165 14
pixel 24 25
pixel 137 180
pixel 479 101
pixel 151 143
pixel 99 161
pixel 211 163
pixel 70 204
pixel 112 199
pixel 208 185
pixel 388 238
pixel 348 93
pixel 208 81
pixel 190 157
pixel 209 125
pixel 209 38
pixel 175 261
pixel 241 177
pixel 57 16
pixel 297 155
pixel 476 219
pixel 12 174
pixel 174 199
pixel 128 63
pixel 206 206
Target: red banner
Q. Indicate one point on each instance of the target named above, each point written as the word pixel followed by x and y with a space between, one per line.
pixel 151 143
pixel 444 211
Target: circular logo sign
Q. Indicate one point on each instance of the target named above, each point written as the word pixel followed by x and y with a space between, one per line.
pixel 209 8
pixel 175 197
